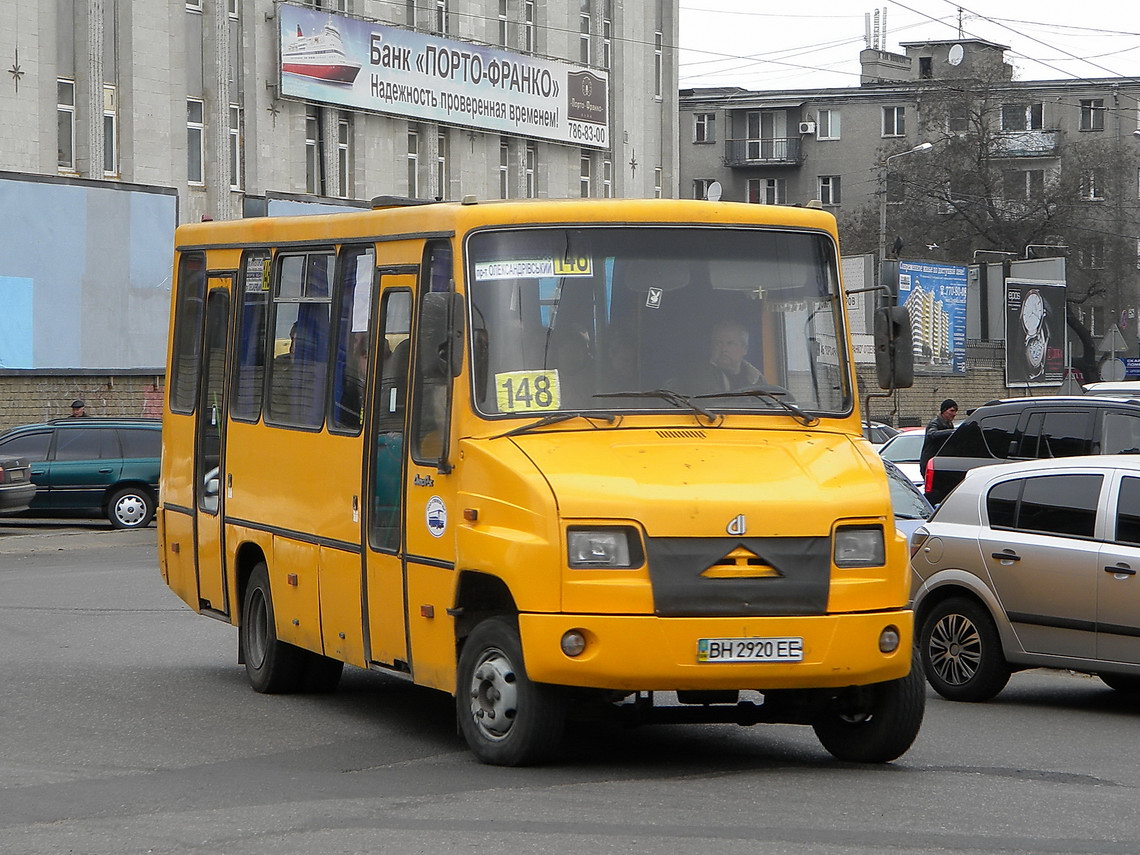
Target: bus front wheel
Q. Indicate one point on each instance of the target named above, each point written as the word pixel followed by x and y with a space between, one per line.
pixel 876 723
pixel 506 719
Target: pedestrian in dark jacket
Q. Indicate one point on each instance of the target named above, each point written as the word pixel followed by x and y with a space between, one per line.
pixel 937 432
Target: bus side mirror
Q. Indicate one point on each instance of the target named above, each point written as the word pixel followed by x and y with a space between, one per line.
pixel 442 334
pixel 894 357
pixel 455 334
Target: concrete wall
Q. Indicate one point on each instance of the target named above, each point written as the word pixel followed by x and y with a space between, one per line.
pixel 37 397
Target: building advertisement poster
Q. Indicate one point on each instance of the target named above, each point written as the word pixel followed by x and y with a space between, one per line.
pixel 1035 333
pixel 367 66
pixel 935 296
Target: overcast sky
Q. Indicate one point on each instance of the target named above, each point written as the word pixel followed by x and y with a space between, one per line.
pixel 758 44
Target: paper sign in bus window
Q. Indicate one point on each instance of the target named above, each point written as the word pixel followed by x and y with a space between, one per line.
pixel 533 268
pixel 528 391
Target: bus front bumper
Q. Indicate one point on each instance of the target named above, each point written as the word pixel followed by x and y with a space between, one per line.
pixel 647 653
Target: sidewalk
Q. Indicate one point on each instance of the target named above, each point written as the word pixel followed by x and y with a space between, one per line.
pixel 59 535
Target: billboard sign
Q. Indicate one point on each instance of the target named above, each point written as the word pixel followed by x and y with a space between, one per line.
pixel 935 296
pixel 368 66
pixel 1035 333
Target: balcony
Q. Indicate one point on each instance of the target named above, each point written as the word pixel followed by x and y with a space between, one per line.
pixel 772 151
pixel 1026 143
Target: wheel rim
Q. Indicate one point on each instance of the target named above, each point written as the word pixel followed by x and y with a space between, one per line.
pixel 130 510
pixel 494 694
pixel 955 649
pixel 257 629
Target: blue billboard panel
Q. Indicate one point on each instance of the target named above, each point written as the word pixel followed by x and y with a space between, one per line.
pixel 935 296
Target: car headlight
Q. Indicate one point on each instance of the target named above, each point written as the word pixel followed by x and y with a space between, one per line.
pixel 859 546
pixel 603 547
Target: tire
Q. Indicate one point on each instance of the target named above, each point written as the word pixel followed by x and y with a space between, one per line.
pixel 273 666
pixel 1127 683
pixel 506 719
pixel 961 651
pixel 877 723
pixel 131 507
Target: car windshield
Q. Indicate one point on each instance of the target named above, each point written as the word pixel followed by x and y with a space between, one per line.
pixel 904 448
pixel 709 319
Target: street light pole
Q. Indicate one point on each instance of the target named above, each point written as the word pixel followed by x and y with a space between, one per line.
pixel 884 168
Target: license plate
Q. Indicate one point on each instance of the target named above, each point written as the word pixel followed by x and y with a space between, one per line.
pixel 750 650
pixel 16 474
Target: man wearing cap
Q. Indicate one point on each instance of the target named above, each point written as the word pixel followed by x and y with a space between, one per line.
pixel 937 432
pixel 78 409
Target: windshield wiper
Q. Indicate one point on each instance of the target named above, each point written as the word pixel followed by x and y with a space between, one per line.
pixel 772 394
pixel 674 398
pixel 555 418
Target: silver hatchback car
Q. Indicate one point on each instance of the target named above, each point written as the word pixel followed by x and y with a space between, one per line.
pixel 1029 565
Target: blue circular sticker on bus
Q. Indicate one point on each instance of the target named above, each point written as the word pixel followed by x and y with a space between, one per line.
pixel 436 516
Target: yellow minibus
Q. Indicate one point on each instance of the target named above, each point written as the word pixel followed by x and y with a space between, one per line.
pixel 556 458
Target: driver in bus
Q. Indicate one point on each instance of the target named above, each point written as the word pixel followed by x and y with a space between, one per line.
pixel 726 369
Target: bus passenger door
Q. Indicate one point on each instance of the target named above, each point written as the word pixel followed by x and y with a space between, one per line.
pixel 384 572
pixel 209 467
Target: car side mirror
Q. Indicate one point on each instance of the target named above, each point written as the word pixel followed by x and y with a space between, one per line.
pixel 894 356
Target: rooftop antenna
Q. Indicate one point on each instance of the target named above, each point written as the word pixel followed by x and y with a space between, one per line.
pixel 961 30
pixel 867 30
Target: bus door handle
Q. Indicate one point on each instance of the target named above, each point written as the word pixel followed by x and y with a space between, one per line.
pixel 1121 569
pixel 1007 556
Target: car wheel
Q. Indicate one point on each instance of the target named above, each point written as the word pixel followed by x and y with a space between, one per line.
pixel 1122 682
pixel 131 507
pixel 876 723
pixel 961 651
pixel 273 666
pixel 506 719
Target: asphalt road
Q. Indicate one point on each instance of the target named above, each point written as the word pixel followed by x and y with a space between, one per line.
pixel 126 726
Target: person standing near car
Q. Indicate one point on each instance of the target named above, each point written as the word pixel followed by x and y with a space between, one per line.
pixel 78 409
pixel 938 430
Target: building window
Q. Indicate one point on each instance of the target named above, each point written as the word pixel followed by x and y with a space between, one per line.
pixel 827 125
pixel 767 191
pixel 410 14
pixel 313 182
pixel 607 178
pixel 584 32
pixel 65 120
pixel 584 175
pixel 441 176
pixel 1091 255
pixel 1092 114
pixel 504 169
pixel 894 121
pixel 1022 185
pixel 657 182
pixel 442 13
pixel 607 31
pixel 701 187
pixel 344 157
pixel 235 147
pixel 531 161
pixel 658 69
pixel 829 192
pixel 110 131
pixel 528 26
pixel 194 5
pixel 958 119
pixel 1022 117
pixel 503 25
pixel 704 127
pixel 413 164
pixel 1092 185
pixel 232 8
pixel 195 137
pixel 925 67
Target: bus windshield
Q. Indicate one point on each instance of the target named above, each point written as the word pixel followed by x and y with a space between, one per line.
pixel 729 319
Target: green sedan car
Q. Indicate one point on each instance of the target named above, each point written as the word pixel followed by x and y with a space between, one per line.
pixel 92 465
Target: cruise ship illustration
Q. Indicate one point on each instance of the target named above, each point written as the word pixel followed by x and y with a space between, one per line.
pixel 320 56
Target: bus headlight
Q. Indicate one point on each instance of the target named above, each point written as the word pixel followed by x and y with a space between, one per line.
pixel 859 546
pixel 603 547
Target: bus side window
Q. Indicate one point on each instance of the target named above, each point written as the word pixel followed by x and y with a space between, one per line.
pixel 350 352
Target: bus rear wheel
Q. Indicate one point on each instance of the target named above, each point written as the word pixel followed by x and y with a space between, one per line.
pixel 506 719
pixel 876 723
pixel 274 666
